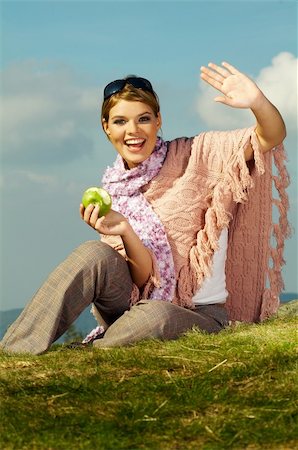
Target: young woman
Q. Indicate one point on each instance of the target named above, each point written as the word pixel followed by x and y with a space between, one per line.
pixel 187 242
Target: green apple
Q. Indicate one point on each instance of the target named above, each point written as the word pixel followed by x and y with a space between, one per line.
pixel 98 196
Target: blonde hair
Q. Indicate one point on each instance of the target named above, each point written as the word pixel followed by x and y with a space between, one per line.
pixel 131 94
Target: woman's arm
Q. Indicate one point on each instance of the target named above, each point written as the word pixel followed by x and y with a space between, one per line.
pixel 114 223
pixel 139 258
pixel 239 91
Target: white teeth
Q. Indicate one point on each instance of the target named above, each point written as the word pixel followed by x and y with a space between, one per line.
pixel 134 141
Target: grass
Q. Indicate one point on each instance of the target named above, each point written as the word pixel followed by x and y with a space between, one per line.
pixel 234 390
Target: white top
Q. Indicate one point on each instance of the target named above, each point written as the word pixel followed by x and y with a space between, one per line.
pixel 213 289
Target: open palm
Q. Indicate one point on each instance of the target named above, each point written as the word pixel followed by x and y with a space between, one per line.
pixel 238 90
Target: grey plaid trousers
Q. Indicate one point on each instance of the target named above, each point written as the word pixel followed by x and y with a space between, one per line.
pixel 96 273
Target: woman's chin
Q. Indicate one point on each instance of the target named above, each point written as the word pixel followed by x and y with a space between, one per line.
pixel 134 162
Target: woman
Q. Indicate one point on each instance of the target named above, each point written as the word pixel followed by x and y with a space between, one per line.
pixel 159 268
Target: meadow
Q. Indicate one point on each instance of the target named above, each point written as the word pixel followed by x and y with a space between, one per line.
pixel 233 390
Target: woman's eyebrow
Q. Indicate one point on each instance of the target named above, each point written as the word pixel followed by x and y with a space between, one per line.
pixel 118 116
pixel 146 112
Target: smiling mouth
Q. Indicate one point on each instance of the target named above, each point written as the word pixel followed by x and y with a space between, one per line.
pixel 135 144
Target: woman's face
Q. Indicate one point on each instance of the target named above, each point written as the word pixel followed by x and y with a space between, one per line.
pixel 132 129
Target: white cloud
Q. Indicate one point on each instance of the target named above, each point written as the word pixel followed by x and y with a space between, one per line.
pixel 279 83
pixel 48 114
pixel 30 183
pixel 38 178
pixel 17 179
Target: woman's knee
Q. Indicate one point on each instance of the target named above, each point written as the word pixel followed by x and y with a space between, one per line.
pixel 144 320
pixel 89 246
pixel 155 307
pixel 156 313
pixel 93 250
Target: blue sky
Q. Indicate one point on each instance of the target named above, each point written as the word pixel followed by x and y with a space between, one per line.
pixel 56 57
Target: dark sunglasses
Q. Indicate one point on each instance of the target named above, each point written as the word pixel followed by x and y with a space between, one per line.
pixel 116 86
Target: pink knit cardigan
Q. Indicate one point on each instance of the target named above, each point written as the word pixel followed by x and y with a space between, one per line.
pixel 205 185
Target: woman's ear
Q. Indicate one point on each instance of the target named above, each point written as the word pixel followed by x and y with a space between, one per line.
pixel 106 128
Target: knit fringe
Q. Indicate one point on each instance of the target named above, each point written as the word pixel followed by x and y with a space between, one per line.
pixel 135 295
pixel 98 318
pixel 280 231
pixel 235 182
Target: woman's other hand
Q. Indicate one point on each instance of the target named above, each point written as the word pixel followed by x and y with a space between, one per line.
pixel 138 257
pixel 112 223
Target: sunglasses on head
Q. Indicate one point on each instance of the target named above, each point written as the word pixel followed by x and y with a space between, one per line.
pixel 116 86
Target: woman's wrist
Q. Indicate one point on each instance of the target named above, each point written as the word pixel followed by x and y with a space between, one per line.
pixel 260 103
pixel 127 231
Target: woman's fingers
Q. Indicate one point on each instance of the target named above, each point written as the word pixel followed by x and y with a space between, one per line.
pixel 210 78
pixel 225 69
pixel 231 68
pixel 216 75
pixel 208 73
pixel 94 216
pixel 90 214
pixel 87 213
pixel 82 210
pixel 222 73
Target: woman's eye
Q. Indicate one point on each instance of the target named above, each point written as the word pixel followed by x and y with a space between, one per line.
pixel 119 121
pixel 145 119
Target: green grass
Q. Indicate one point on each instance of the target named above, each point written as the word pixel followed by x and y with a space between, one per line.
pixel 234 390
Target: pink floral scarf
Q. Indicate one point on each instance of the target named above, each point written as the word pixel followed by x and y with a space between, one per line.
pixel 125 188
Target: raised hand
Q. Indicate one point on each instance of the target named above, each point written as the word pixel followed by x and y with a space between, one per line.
pixel 238 90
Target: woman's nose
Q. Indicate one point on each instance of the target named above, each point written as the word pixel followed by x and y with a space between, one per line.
pixel 132 126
